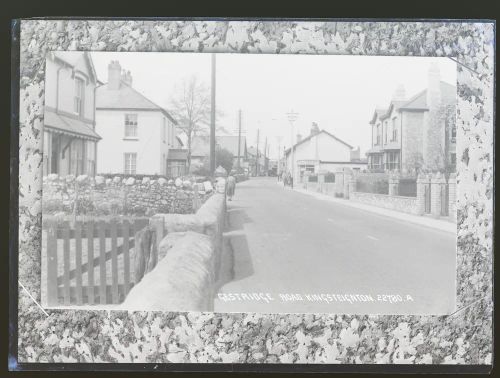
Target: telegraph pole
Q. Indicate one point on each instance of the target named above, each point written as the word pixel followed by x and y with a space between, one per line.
pixel 292 117
pixel 265 157
pixel 257 159
pixel 212 119
pixel 239 139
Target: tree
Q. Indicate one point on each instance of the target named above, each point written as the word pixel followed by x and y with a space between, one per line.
pixel 223 157
pixel 190 106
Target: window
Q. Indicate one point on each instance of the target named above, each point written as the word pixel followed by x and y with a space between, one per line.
pixel 77 157
pixel 394 131
pixel 79 96
pixel 453 161
pixel 176 168
pixel 453 134
pixel 164 130
pixel 130 163
pixel 90 157
pixel 385 132
pixel 392 162
pixel 130 125
pixel 378 135
pixel 375 162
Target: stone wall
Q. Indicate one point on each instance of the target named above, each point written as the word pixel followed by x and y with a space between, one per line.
pixel 183 280
pixel 120 196
pixel 397 203
pixel 189 262
pixel 208 220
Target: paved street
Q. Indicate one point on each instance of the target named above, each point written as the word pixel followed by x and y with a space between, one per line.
pixel 291 243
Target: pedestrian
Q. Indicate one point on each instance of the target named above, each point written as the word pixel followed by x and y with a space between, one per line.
pixel 231 186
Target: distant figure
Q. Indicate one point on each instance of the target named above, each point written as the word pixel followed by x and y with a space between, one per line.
pixel 231 186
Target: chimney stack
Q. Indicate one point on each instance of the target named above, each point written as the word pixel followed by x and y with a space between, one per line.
pixel 127 78
pixel 114 75
pixel 399 93
pixel 314 128
pixel 433 86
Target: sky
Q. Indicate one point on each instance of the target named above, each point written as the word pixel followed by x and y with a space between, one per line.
pixel 338 92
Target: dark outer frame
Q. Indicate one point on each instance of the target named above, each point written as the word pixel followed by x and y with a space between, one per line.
pixel 464 337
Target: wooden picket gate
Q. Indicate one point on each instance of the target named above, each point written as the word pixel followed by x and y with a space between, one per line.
pixel 68 288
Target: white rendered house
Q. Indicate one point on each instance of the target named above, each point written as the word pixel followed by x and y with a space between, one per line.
pixel 138 136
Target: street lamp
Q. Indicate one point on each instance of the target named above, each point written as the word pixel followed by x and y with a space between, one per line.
pixel 279 138
pixel 292 117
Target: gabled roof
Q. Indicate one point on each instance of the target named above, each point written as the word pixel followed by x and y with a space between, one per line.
pixel 71 58
pixel 230 143
pixel 395 104
pixel 419 101
pixel 313 135
pixel 379 112
pixel 125 98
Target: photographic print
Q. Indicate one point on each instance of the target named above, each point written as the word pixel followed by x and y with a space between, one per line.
pixel 340 193
pixel 242 192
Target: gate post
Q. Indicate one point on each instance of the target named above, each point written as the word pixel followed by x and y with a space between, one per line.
pixel 422 182
pixel 452 197
pixel 347 179
pixel 394 184
pixel 437 182
pixel 339 184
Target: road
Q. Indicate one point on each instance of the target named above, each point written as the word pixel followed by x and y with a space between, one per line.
pixel 286 242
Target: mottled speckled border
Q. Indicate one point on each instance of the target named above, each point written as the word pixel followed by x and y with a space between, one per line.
pixel 98 336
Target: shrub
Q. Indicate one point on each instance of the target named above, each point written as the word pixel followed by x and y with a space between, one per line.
pixel 330 177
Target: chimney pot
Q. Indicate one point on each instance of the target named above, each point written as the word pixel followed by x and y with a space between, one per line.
pixel 114 74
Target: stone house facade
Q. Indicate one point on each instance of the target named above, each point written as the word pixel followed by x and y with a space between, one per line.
pixel 418 133
pixel 138 136
pixel 69 135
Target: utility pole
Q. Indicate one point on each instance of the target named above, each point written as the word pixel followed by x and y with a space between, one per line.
pixel 212 119
pixel 239 139
pixel 292 117
pixel 265 157
pixel 257 159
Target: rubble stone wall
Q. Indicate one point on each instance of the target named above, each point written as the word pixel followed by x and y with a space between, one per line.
pixel 397 203
pixel 119 196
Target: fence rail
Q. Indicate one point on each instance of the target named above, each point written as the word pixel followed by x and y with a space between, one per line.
pixel 67 239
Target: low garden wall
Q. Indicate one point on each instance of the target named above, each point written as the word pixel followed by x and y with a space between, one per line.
pixel 183 280
pixel 398 203
pixel 189 262
pixel 99 196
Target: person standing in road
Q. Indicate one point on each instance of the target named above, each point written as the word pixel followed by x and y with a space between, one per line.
pixel 231 186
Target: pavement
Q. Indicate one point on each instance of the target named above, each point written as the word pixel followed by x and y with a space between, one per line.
pixel 293 252
pixel 427 220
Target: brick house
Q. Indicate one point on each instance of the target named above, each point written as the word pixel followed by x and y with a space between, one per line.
pixel 69 136
pixel 138 136
pixel 416 133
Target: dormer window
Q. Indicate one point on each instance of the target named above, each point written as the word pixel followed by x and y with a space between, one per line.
pixel 79 96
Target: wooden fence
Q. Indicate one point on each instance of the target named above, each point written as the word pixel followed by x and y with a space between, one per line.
pixel 68 288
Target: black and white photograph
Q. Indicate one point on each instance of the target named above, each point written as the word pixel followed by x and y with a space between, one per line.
pixel 330 187
pixel 253 195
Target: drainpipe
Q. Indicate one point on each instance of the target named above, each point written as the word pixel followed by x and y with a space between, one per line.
pixel 401 144
pixel 57 88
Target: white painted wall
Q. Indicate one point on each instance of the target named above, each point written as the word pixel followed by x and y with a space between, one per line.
pixel 149 146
